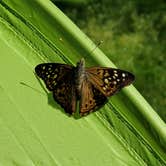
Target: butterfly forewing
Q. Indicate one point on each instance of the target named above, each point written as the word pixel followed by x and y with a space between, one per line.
pixel 52 73
pixel 109 80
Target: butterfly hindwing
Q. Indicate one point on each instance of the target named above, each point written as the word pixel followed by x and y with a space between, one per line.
pixel 109 80
pixel 65 95
pixel 91 98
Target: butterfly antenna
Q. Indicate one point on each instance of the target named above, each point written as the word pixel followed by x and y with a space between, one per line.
pixel 40 83
pixel 24 84
pixel 97 45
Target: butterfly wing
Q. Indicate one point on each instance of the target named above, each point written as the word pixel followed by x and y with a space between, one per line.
pixel 58 79
pixel 91 98
pixel 52 73
pixel 109 80
pixel 64 93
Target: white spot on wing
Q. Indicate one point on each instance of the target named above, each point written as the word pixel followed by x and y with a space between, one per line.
pixel 115 71
pixel 114 82
pixel 106 80
pixel 104 88
pixel 116 75
pixel 123 75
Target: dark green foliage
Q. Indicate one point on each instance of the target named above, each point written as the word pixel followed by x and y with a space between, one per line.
pixel 134 35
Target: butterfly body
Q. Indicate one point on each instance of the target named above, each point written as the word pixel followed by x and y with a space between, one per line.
pixel 90 86
pixel 79 76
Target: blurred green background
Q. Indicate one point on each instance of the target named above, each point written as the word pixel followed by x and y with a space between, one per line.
pixel 134 35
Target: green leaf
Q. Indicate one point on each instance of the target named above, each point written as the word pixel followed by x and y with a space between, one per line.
pixel 71 2
pixel 34 131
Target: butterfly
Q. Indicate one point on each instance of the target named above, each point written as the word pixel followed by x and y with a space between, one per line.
pixel 90 86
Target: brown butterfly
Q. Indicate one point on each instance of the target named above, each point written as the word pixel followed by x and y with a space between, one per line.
pixel 90 86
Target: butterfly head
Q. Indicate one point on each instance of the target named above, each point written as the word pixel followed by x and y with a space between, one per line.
pixel 81 63
pixel 80 68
